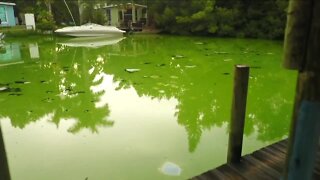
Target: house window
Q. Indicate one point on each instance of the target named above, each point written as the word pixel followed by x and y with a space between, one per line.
pixel 120 15
pixel 3 14
pixel 109 14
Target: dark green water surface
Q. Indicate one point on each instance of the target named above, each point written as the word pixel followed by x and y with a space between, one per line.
pixel 143 107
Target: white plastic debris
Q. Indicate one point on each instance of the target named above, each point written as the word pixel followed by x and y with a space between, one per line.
pixel 171 169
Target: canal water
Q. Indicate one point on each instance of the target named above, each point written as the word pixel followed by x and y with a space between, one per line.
pixel 140 107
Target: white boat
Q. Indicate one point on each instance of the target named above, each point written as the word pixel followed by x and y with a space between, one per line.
pixel 90 30
pixel 92 42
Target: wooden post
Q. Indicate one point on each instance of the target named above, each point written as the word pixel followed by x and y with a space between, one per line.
pixel 302 160
pixel 297 32
pixel 240 90
pixel 4 168
pixel 302 44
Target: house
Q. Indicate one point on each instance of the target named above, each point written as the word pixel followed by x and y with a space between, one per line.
pixel 7 14
pixel 122 15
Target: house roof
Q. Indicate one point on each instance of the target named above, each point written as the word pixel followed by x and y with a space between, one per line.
pixel 116 5
pixel 7 3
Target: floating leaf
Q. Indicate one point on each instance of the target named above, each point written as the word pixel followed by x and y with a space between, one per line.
pixel 132 70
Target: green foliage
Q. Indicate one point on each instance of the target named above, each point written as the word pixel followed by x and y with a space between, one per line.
pixel 226 18
pixel 232 18
pixel 45 21
pixel 91 15
pixel 90 12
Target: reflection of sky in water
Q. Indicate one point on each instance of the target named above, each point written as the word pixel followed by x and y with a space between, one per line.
pixel 80 114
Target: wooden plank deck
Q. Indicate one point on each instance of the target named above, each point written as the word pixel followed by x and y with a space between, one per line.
pixel 264 164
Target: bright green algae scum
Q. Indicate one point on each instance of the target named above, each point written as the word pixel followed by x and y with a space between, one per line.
pixel 143 107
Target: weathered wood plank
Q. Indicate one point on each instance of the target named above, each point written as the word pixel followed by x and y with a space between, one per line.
pixel 265 168
pixel 274 162
pixel 231 173
pixel 280 150
pixel 266 163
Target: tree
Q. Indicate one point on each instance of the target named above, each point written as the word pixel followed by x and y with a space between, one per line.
pixel 244 18
pixel 91 12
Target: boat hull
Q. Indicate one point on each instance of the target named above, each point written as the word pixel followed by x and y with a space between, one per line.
pixel 90 31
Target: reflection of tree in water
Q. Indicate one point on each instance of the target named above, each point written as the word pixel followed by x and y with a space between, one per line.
pixel 200 79
pixel 203 89
pixel 61 85
pixel 272 107
pixel 163 77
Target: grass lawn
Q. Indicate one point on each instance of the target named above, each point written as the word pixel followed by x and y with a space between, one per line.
pixel 19 30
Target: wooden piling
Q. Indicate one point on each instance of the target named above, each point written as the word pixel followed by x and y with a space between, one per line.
pixel 240 90
pixel 4 168
pixel 302 44
pixel 303 158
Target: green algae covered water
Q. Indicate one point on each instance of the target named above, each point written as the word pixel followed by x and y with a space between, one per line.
pixel 141 107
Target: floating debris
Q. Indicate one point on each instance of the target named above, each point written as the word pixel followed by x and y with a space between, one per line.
pixel 178 56
pixel 171 169
pixel 132 70
pixel 48 92
pixel 147 63
pixel 43 81
pixel 226 73
pixel 270 53
pixel 226 60
pixel 160 65
pixel 2 89
pixel 199 43
pixel 22 82
pixel 15 94
pixel 47 100
pixel 190 66
pixel 4 84
pixel 8 89
pixel 154 76
pixel 174 77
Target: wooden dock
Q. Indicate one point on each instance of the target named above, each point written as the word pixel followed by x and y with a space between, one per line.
pixel 264 164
